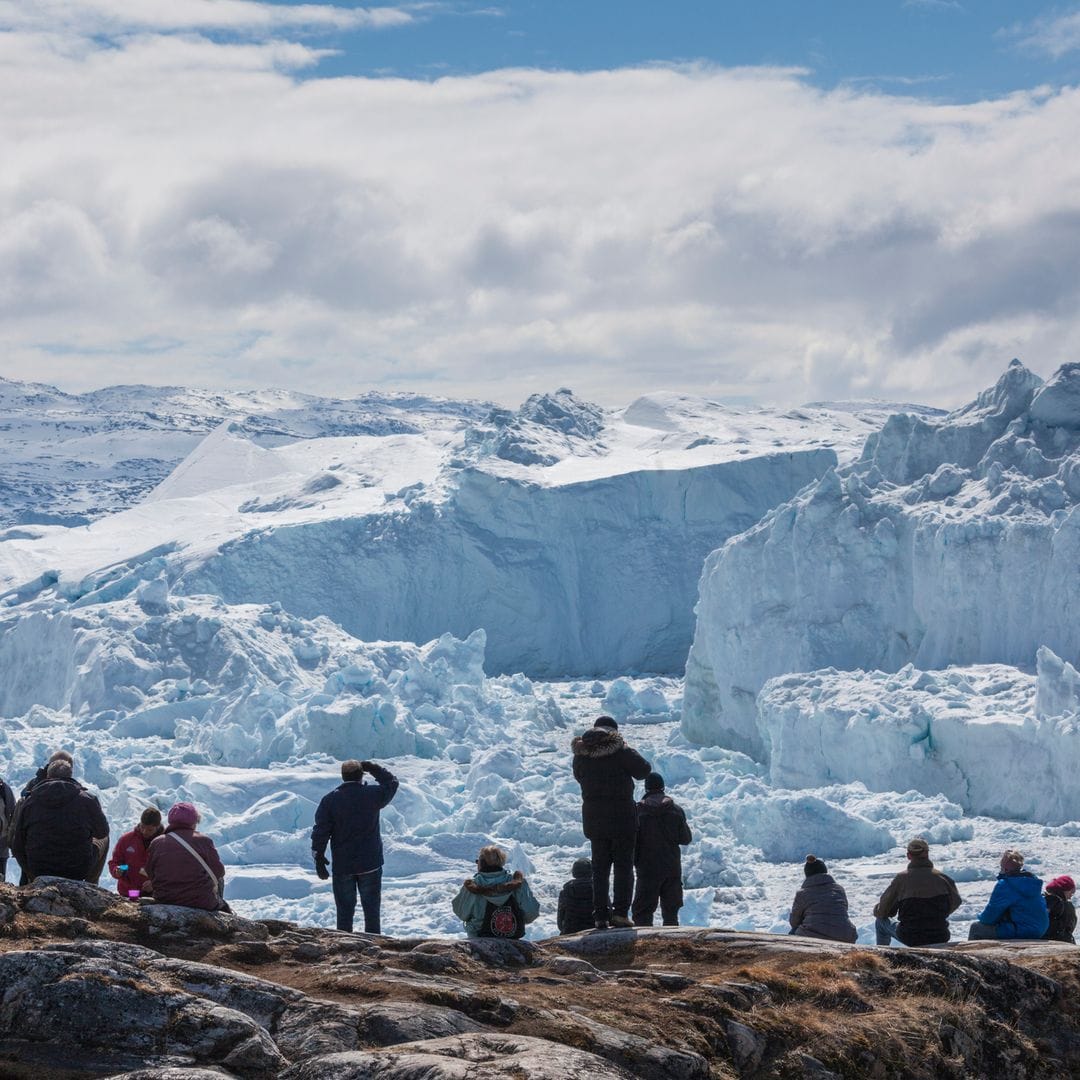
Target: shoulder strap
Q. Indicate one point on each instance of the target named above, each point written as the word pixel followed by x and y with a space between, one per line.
pixel 202 862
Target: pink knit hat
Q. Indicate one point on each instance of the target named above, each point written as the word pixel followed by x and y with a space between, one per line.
pixel 184 815
pixel 1062 884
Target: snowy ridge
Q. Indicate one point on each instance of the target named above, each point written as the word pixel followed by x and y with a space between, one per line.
pixel 951 541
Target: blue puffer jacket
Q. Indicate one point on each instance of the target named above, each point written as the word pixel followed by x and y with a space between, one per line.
pixel 1016 907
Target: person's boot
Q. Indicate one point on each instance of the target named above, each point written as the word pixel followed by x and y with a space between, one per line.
pixel 620 921
pixel 601 924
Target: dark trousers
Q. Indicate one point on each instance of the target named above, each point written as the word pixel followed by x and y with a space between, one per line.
pixel 3 869
pixel 369 888
pixel 607 853
pixel 650 891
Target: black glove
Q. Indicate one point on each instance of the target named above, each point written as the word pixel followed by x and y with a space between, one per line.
pixel 322 867
pixel 367 766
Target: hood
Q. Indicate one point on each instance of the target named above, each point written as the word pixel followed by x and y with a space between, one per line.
pixel 1025 883
pixel 56 792
pixel 597 742
pixel 495 884
pixel 920 863
pixel 656 803
pixel 818 879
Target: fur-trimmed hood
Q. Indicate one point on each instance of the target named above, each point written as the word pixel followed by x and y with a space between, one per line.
pixel 597 743
pixel 507 885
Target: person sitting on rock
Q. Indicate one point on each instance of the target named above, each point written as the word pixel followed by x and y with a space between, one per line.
pixel 131 852
pixel 59 828
pixel 1059 907
pixel 183 865
pixel 820 909
pixel 38 778
pixel 576 900
pixel 1016 908
pixel 7 816
pixel 661 831
pixel 494 902
pixel 923 897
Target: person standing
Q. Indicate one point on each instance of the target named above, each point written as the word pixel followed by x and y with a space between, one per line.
pixel 661 831
pixel 348 819
pixel 7 817
pixel 131 852
pixel 60 829
pixel 606 769
pixel 1016 908
pixel 923 898
pixel 820 909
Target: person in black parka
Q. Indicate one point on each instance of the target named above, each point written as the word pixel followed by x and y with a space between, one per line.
pixel 60 829
pixel 7 817
pixel 576 900
pixel 661 830
pixel 1058 895
pixel 606 769
pixel 39 777
pixel 348 819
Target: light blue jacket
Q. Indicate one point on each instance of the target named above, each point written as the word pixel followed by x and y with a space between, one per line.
pixel 1016 907
pixel 470 904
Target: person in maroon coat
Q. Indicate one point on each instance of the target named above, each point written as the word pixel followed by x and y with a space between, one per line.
pixel 183 865
pixel 130 855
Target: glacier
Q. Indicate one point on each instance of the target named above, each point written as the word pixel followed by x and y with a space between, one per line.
pixel 951 540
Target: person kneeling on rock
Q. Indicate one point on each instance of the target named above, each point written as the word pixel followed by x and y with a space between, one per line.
pixel 821 907
pixel 494 902
pixel 183 865
pixel 1016 908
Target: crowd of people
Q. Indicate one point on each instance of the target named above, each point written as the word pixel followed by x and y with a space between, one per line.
pixel 57 827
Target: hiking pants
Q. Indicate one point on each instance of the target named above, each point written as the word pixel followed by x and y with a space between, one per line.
pixel 608 853
pixel 650 891
pixel 369 888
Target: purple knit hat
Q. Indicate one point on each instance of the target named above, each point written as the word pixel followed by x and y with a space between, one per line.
pixel 184 815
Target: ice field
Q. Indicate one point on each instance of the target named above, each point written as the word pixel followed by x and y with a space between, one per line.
pixel 883 644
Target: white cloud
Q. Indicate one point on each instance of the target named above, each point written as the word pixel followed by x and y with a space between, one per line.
pixel 725 232
pixel 1055 35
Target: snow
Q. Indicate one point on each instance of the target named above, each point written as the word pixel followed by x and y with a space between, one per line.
pixel 881 651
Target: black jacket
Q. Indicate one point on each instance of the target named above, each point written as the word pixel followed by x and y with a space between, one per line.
pixel 661 828
pixel 606 769
pixel 1062 918
pixel 54 827
pixel 348 818
pixel 7 815
pixel 576 905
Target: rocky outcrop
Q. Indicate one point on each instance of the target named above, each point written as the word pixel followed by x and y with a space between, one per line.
pixel 95 986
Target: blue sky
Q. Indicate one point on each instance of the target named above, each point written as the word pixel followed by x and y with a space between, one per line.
pixel 773 201
pixel 959 51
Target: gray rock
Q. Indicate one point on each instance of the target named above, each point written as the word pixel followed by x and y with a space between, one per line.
pixel 63 897
pixel 746 1045
pixel 173 1072
pixel 464 1057
pixel 193 922
pixel 573 965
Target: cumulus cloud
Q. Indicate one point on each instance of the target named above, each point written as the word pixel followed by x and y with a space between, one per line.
pixel 726 232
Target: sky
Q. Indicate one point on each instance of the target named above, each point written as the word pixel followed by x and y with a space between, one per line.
pixel 774 202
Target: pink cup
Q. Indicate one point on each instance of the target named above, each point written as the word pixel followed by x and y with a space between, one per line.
pixel 133 893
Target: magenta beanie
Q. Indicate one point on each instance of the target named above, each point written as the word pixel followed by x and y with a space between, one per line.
pixel 184 814
pixel 1062 884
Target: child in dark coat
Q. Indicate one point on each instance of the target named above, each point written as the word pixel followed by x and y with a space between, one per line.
pixel 1058 896
pixel 576 900
pixel 661 829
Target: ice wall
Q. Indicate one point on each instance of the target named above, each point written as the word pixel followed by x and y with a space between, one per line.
pixel 980 736
pixel 582 578
pixel 948 542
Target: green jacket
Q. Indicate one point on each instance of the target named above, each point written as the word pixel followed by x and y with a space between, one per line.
pixel 495 886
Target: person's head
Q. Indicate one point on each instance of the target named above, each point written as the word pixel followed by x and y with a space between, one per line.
pixel 351 770
pixel 918 848
pixel 60 755
pixel 814 865
pixel 582 868
pixel 59 770
pixel 491 858
pixel 1012 862
pixel 1063 886
pixel 606 722
pixel 150 822
pixel 653 782
pixel 183 815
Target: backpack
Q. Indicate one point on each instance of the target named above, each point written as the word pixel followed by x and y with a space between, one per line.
pixel 503 921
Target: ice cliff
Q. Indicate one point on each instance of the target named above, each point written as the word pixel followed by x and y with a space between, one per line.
pixel 949 541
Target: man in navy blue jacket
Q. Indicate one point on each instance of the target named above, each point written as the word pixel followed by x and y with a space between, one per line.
pixel 348 819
